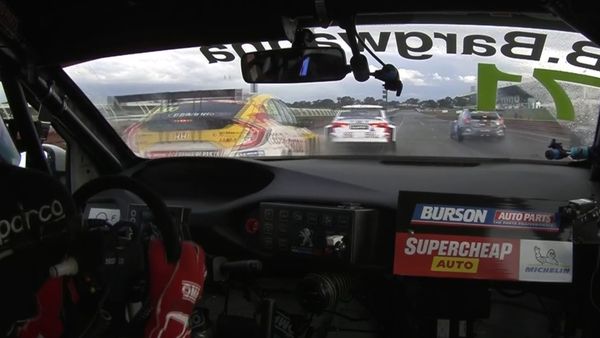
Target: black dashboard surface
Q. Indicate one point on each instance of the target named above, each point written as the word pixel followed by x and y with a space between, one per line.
pixel 217 185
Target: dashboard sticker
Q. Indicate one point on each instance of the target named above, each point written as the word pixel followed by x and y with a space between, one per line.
pixel 474 257
pixel 449 215
pixel 451 256
pixel 546 261
pixel 444 235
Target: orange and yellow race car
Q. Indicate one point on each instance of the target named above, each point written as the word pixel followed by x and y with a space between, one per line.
pixel 261 126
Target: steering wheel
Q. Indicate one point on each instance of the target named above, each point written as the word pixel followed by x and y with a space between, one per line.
pixel 111 278
pixel 157 206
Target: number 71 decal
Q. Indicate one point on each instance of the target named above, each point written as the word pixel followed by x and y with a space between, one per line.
pixel 487 86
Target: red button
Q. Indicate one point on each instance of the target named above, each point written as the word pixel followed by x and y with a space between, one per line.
pixel 252 226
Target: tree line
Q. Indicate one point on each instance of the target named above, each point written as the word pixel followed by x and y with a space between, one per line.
pixel 447 102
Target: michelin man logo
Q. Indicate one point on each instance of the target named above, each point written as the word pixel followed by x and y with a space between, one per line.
pixel 548 258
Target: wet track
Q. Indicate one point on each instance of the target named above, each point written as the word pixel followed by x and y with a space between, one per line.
pixel 425 135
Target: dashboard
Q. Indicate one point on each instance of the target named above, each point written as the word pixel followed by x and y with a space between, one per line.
pixel 330 238
pixel 344 210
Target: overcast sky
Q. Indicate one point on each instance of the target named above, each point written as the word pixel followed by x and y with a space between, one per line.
pixel 439 76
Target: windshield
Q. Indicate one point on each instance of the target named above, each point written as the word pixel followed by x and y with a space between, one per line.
pixel 485 116
pixel 530 85
pixel 359 113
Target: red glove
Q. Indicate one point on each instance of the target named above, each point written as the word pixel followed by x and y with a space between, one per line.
pixel 174 289
pixel 47 323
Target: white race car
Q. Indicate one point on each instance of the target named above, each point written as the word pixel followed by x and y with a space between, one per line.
pixel 361 124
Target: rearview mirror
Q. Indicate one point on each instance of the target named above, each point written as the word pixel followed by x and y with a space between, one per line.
pixel 294 65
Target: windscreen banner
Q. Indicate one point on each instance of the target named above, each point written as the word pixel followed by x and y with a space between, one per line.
pixel 480 237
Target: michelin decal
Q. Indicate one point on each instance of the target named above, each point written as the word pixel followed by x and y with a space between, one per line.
pixel 546 261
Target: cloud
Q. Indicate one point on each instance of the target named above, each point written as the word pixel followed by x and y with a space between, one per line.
pixel 412 76
pixel 469 79
pixel 438 77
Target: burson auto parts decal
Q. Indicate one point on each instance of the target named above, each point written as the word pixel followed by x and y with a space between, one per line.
pixel 473 257
pixel 447 215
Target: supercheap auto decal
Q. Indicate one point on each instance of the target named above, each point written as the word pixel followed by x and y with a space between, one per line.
pixel 452 256
pixel 456 256
pixel 473 241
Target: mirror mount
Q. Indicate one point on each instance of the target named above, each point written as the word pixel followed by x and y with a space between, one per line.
pixel 321 12
pixel 358 62
pixel 390 77
pixel 290 26
pixel 304 38
pixel 360 66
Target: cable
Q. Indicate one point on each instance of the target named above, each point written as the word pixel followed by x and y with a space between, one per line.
pixel 511 294
pixel 592 280
pixel 362 43
pixel 519 293
pixel 354 319
pixel 96 315
pixel 95 324
pixel 341 329
pixel 226 305
pixel 100 312
pixel 520 306
pixel 100 305
pixel 553 321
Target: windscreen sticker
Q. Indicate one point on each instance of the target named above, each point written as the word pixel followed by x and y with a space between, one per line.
pixel 472 257
pixel 446 215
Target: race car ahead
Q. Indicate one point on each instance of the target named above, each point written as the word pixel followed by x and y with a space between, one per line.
pixel 362 124
pixel 477 124
pixel 261 126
